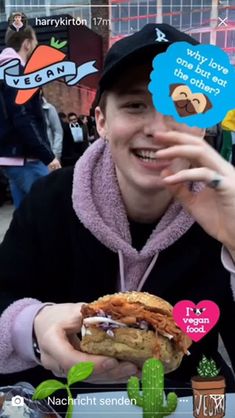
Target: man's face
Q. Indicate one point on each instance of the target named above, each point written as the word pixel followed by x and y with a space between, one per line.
pixel 131 124
pixel 17 19
pixel 73 119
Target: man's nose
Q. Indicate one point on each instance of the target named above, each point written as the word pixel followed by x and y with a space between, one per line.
pixel 155 123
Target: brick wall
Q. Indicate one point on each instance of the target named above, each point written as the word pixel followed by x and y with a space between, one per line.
pixel 66 99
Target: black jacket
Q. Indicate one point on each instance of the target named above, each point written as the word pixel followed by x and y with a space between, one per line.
pixel 72 151
pixel 48 254
pixel 23 128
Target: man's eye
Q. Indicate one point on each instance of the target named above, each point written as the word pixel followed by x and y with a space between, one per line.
pixel 135 105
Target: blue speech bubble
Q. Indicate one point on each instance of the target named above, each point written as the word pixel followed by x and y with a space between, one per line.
pixel 194 84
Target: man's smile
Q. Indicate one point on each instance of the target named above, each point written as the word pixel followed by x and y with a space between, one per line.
pixel 147 157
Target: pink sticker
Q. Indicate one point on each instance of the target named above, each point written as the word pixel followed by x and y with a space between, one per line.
pixel 196 320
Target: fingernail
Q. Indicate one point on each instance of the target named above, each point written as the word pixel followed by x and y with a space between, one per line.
pixel 109 364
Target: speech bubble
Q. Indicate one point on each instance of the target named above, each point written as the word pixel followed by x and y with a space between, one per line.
pixel 194 84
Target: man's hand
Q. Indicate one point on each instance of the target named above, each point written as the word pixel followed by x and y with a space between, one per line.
pixel 54 165
pixel 214 206
pixel 56 328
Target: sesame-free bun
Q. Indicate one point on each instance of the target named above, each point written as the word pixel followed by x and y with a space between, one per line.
pixel 132 345
pixel 163 339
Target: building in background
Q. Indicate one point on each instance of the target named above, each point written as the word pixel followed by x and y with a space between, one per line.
pixel 209 21
pixel 36 8
pixel 95 14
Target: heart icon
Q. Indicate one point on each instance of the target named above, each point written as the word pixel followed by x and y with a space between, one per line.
pixel 196 320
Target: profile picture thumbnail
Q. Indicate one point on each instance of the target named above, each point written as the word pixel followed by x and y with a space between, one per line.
pixel 17 21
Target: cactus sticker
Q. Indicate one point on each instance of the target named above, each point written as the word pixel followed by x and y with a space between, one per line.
pixel 207 368
pixel 152 399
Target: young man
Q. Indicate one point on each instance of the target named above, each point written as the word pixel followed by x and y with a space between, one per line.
pixel 54 127
pixel 25 152
pixel 127 220
pixel 75 140
pixel 17 23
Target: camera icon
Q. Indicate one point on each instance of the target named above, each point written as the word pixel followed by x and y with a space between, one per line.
pixel 17 401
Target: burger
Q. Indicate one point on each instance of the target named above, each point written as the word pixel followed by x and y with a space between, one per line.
pixel 133 326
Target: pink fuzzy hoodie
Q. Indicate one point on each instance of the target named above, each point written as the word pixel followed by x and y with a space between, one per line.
pixel 9 54
pixel 98 204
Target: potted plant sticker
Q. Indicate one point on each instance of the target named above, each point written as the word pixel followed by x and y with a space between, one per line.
pixel 152 400
pixel 208 390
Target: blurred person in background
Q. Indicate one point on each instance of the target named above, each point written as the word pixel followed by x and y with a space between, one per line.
pixel 79 133
pixel 25 152
pixel 69 155
pixel 228 126
pixel 228 135
pixel 54 128
pixel 83 118
pixel 63 118
pixel 72 118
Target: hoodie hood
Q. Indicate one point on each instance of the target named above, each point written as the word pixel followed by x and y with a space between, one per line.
pixel 9 54
pixel 98 204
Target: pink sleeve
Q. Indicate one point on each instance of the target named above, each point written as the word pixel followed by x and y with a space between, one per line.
pixel 227 260
pixel 16 325
pixel 229 264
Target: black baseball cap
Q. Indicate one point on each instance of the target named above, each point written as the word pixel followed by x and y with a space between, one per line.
pixel 152 39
